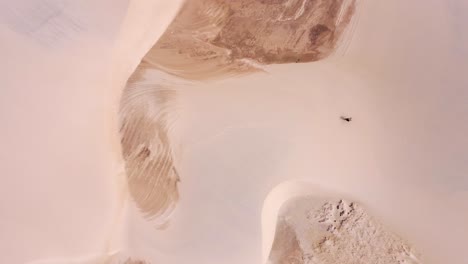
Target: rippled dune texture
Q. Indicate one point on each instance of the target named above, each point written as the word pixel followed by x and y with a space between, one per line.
pixel 151 173
pixel 211 39
pixel 320 231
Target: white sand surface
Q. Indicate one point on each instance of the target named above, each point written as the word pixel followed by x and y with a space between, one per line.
pixel 60 198
pixel 243 146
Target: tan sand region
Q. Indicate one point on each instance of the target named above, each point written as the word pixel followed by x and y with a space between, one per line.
pixel 151 172
pixel 314 230
pixel 224 37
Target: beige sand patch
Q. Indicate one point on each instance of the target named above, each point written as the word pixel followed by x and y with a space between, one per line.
pixel 213 38
pixel 320 231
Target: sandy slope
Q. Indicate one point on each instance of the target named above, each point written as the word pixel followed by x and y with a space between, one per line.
pixel 60 198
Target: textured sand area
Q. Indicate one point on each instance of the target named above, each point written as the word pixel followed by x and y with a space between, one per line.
pixel 233 37
pixel 151 172
pixel 313 230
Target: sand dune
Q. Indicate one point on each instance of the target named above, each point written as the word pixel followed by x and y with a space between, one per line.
pixel 250 119
pixel 208 131
pixel 214 35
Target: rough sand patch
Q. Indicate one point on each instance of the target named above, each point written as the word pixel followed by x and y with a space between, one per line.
pixel 220 36
pixel 323 231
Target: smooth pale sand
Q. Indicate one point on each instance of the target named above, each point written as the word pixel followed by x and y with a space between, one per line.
pixel 244 146
pixel 65 67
